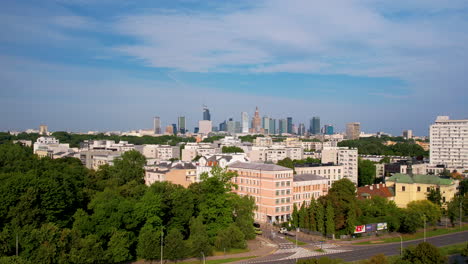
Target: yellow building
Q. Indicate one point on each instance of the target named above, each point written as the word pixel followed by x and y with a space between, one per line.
pixel 415 187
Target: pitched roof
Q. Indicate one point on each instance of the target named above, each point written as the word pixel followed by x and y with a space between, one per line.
pixel 374 190
pixel 307 177
pixel 258 166
pixel 420 178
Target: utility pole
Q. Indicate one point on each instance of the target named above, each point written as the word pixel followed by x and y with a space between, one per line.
pixel 401 245
pixel 460 213
pixel 162 237
pixel 424 228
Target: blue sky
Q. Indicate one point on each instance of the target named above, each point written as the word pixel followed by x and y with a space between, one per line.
pixel 114 64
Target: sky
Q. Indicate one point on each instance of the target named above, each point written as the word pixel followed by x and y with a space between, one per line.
pixel 107 65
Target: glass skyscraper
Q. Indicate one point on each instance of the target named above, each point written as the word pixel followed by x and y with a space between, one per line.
pixel 206 113
pixel 182 127
pixel 315 125
pixel 290 125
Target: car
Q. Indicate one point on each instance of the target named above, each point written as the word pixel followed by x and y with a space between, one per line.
pixel 283 230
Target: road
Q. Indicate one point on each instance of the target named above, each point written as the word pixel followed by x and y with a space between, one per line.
pixel 288 253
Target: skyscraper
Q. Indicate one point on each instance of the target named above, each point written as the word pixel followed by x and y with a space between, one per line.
pixel 256 122
pixel 231 126
pixel 272 129
pixel 245 122
pixel 408 134
pixel 353 130
pixel 157 125
pixel 206 113
pixel 182 127
pixel 315 125
pixel 283 126
pixel 301 129
pixel 266 124
pixel 290 125
pixel 328 130
pixel 174 129
pixel 223 126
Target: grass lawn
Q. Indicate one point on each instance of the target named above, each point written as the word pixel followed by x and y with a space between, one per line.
pixel 418 235
pixel 319 250
pixel 231 251
pixel 218 261
pixel 453 249
pixel 293 240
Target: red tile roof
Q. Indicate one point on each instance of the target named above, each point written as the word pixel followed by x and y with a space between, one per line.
pixel 369 191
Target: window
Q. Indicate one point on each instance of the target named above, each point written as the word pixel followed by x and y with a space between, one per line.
pixel 277 201
pixel 277 193
pixel 288 191
pixel 428 189
pixel 403 188
pixel 277 184
pixel 277 209
pixel 419 188
pixel 288 183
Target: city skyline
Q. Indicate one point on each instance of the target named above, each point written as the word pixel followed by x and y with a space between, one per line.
pixel 108 65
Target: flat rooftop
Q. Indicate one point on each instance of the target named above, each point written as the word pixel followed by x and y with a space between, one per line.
pixel 258 166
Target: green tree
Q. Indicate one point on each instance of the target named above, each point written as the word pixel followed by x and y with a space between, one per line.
pixel 129 167
pixel 434 196
pixel 302 216
pixel 424 253
pixel 312 212
pixel 149 243
pixel 330 224
pixel 410 221
pixel 319 218
pixel 342 195
pixel 244 215
pixel 175 247
pixel 232 237
pixel 295 216
pixel 431 211
pixel 231 149
pixel 199 240
pixel 366 172
pixel 119 246
pixel 87 250
pixel 286 162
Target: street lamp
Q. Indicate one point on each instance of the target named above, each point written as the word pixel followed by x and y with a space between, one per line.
pixel 203 255
pixel 401 245
pixel 460 213
pixel 162 241
pixel 424 217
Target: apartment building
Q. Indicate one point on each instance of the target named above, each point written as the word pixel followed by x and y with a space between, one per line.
pixel 308 186
pixel 207 162
pixel 330 171
pixel 182 173
pixel 160 152
pixel 343 156
pixel 263 142
pixel 275 153
pixel 271 187
pixel 311 145
pixel 191 150
pixel 449 143
pixel 51 147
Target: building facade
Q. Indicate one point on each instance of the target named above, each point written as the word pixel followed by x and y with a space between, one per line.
pixel 245 122
pixel 182 125
pixel 343 156
pixel 353 130
pixel 157 125
pixel 308 186
pixel 449 143
pixel 315 125
pixel 271 187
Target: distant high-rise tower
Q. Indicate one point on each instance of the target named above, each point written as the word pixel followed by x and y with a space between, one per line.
pixel 328 130
pixel 315 125
pixel 206 113
pixel 256 122
pixel 283 126
pixel 272 129
pixel 266 124
pixel 43 130
pixel 174 129
pixel 182 126
pixel 301 129
pixel 353 130
pixel 290 125
pixel 157 125
pixel 408 134
pixel 170 130
pixel 245 122
pixel 231 126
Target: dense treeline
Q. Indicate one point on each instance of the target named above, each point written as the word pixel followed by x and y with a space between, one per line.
pixel 62 212
pixel 75 139
pixel 231 149
pixel 375 146
pixel 339 211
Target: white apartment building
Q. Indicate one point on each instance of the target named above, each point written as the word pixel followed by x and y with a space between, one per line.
pixel 329 171
pixel 191 150
pixel 449 143
pixel 160 152
pixel 275 153
pixel 263 142
pixel 51 147
pixel 318 145
pixel 106 145
pixel 205 126
pixel 343 156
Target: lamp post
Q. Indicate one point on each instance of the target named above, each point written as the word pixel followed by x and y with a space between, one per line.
pixel 203 255
pixel 424 217
pixel 401 245
pixel 162 241
pixel 460 213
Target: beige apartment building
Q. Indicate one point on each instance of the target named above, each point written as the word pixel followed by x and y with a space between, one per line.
pixel 191 150
pixel 329 171
pixel 271 187
pixel 275 153
pixel 353 130
pixel 181 173
pixel 343 156
pixel 308 186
